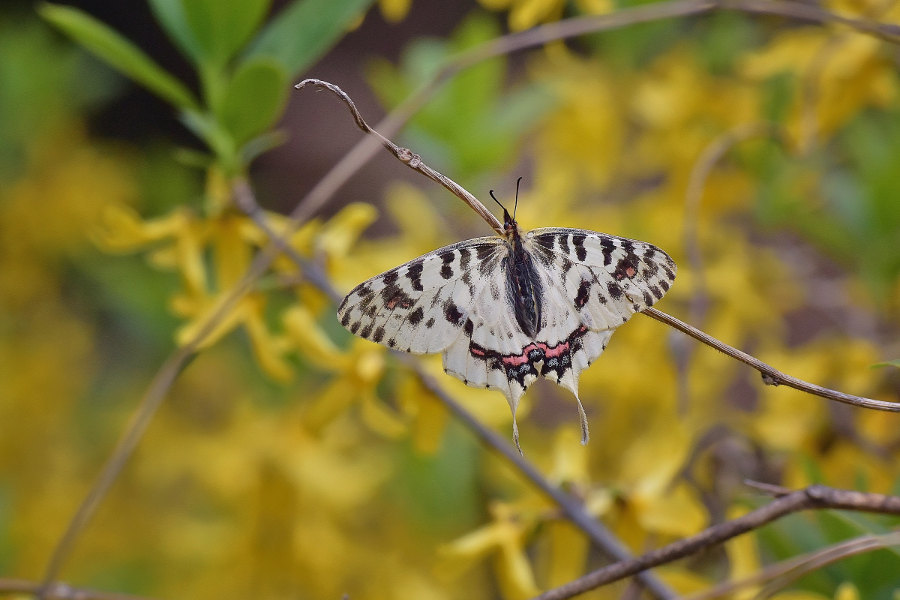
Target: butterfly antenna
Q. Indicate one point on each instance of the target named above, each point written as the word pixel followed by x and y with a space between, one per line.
pixel 518 181
pixel 497 201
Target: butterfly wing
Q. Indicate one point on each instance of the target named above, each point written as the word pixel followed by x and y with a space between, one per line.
pixel 597 281
pixel 422 306
pixel 593 283
pixel 453 300
pixel 457 300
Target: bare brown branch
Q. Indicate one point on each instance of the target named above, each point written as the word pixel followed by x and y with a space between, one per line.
pixel 771 375
pixel 59 591
pixel 408 157
pixel 783 573
pixel 574 510
pixel 814 497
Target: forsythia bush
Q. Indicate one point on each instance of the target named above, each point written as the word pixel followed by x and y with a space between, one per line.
pixel 294 460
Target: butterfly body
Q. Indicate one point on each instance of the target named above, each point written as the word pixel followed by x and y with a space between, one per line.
pixel 505 310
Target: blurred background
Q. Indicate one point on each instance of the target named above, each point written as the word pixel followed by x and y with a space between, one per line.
pixel 293 460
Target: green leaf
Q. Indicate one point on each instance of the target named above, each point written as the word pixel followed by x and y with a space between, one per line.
pixel 303 31
pixel 221 28
pixel 118 52
pixel 210 130
pixel 472 123
pixel 254 98
pixel 887 363
pixel 170 14
pixel 260 145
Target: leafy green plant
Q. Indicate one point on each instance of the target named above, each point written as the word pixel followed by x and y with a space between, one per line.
pixel 243 67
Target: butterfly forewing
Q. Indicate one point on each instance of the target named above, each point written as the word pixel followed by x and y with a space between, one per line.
pixel 420 306
pixel 504 314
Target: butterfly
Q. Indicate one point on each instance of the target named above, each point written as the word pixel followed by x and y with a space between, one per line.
pixel 507 309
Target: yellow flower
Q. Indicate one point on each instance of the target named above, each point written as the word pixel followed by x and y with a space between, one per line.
pixel 356 374
pixel 394 11
pixel 503 540
pixel 212 254
pixel 846 74
pixel 650 481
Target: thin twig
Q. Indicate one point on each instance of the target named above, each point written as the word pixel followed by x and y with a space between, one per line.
pixel 574 27
pixel 703 166
pixel 771 375
pixel 887 32
pixel 60 591
pixel 134 431
pixel 408 157
pixel 783 573
pixel 814 497
pixel 245 200
pixel 572 508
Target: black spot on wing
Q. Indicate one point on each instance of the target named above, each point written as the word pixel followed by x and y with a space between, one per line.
pixel 657 293
pixel 664 285
pixel 345 320
pixel 609 247
pixel 465 255
pixel 361 290
pixel 582 296
pixel 447 258
pixel 429 323
pixel 393 295
pixel 578 242
pixel 415 317
pixel 390 278
pixel 452 313
pixel 378 335
pixel 485 254
pixel 627 267
pixel 615 290
pixel 414 274
pixel 366 331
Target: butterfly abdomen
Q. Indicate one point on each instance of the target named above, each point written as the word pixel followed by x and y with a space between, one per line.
pixel 524 288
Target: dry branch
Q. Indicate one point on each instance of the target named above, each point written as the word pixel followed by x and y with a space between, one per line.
pixel 771 375
pixel 59 591
pixel 814 497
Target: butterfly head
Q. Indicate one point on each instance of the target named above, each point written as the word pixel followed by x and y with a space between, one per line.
pixel 510 227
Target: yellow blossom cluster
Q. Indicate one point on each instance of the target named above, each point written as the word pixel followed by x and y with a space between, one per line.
pixel 332 469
